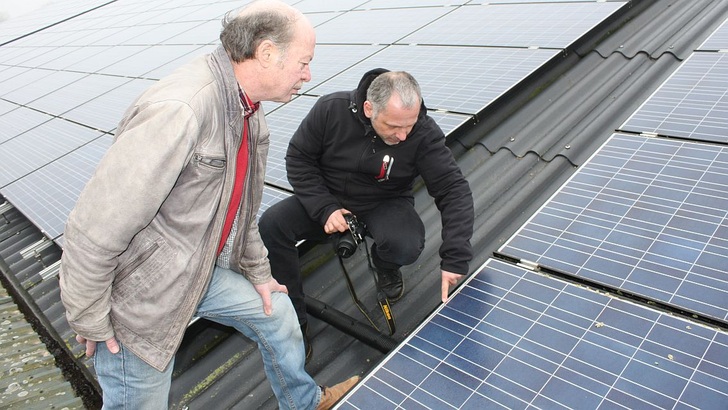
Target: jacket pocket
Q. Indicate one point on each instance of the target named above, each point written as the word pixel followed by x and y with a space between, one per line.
pixel 212 162
pixel 135 260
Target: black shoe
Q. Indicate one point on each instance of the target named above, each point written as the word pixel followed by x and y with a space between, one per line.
pixel 390 282
pixel 306 343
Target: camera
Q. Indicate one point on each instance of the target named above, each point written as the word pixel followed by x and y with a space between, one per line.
pixel 347 242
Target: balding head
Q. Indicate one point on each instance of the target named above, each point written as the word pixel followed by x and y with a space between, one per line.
pixel 244 29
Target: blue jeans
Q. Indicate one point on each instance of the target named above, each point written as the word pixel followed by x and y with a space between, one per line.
pixel 129 383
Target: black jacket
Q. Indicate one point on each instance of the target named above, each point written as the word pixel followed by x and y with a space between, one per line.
pixel 335 157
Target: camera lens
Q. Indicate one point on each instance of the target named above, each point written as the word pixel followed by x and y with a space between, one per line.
pixel 345 247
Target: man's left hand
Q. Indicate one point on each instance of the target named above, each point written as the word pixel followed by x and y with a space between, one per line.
pixel 265 289
pixel 448 279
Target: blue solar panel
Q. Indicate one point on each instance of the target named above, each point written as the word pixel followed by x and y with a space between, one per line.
pixel 692 103
pixel 645 215
pixel 513 339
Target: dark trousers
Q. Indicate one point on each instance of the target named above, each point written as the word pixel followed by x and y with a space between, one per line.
pixel 397 230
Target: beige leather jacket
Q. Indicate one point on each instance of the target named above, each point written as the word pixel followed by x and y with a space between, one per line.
pixel 140 244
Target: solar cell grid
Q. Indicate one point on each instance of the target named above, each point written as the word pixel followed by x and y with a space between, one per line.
pixel 375 26
pixel 645 215
pixel 509 338
pixel 692 103
pixel 283 122
pixel 47 195
pixel 457 79
pixel 19 120
pixel 39 146
pixel 554 25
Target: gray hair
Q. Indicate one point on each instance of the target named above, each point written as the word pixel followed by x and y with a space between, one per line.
pixel 387 84
pixel 244 29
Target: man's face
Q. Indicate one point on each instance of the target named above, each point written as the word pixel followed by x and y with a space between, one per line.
pixel 394 122
pixel 292 68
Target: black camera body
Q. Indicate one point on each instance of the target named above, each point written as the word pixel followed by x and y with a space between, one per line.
pixel 347 242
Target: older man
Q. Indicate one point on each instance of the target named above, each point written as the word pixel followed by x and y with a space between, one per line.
pixel 166 228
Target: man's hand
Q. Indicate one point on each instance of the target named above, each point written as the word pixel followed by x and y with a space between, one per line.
pixel 448 279
pixel 265 289
pixel 336 222
pixel 111 344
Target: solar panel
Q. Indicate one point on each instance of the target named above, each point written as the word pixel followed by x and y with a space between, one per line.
pixel 39 146
pixel 48 194
pixel 33 84
pixel 283 122
pixel 18 121
pixel 509 338
pixel 644 215
pixel 318 6
pixel 457 79
pixel 514 25
pixel 375 26
pixel 387 4
pixel 270 197
pixel 50 13
pixel 75 94
pixel 332 59
pixel 105 111
pixel 448 122
pixel 718 41
pixel 692 103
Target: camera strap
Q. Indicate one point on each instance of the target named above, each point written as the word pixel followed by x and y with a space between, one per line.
pixel 381 298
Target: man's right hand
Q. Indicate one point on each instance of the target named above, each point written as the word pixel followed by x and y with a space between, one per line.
pixel 111 344
pixel 336 222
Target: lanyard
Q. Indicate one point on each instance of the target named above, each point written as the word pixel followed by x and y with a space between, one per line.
pixel 381 299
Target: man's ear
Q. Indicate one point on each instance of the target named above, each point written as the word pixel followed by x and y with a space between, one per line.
pixel 265 53
pixel 368 109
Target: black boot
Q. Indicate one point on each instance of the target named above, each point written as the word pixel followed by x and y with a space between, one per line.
pixel 390 281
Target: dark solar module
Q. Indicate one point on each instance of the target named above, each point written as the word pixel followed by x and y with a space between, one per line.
pixel 645 215
pixel 510 338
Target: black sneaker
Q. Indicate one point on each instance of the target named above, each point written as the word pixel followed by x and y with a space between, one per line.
pixel 306 343
pixel 390 281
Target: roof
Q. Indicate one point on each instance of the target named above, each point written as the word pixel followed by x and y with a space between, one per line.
pixel 517 145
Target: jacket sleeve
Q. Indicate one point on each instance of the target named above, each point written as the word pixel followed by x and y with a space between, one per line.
pixel 131 182
pixel 453 198
pixel 303 165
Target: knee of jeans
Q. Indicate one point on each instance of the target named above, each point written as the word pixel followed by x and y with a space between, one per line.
pixel 284 313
